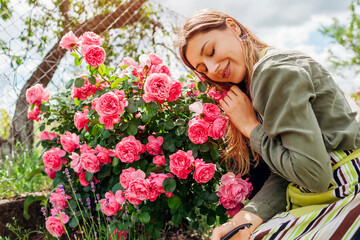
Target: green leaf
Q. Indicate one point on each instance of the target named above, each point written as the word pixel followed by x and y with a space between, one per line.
pixel 201 86
pixel 174 202
pixel 42 127
pixel 115 84
pixel 106 134
pixel 69 84
pixel 73 223
pixel 195 225
pixel 145 117
pixel 44 108
pixel 132 129
pixel 214 152
pixel 34 172
pixel 115 162
pixel 169 124
pixel 205 147
pixel 144 217
pixel 105 171
pixel 180 122
pixel 213 198
pixel 79 82
pixel 89 176
pixel 176 218
pixel 189 76
pixel 32 106
pixel 30 200
pixel 156 233
pixel 131 108
pixel 220 210
pixel 180 130
pixel 123 126
pixel 210 218
pixel 92 80
pixel 77 101
pixel 117 187
pixel 169 185
pixel 94 131
pixel 102 69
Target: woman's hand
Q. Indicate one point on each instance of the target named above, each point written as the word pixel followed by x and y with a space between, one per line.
pixel 241 217
pixel 240 110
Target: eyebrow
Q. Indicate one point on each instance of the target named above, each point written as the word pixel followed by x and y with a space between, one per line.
pixel 201 52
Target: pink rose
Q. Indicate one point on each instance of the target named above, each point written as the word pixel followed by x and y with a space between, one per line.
pixel 85 91
pixel 198 130
pixel 34 114
pixel 37 94
pixel 109 104
pixel 109 205
pixel 159 160
pixel 83 181
pixel 157 87
pixel 90 162
pixel 149 59
pixel 204 172
pixel 234 188
pixel 155 59
pixel 156 181
pixel 58 199
pixel 129 62
pixel 137 191
pixel 70 142
pixel 175 90
pixel 51 174
pixel 128 149
pixel 75 163
pixel 216 94
pixel 211 112
pixel 70 41
pixel 109 121
pixel 54 225
pixel 228 203
pixel 153 147
pixel 94 55
pixel 161 68
pixel 81 120
pixel 233 211
pixel 104 154
pixel 218 128
pixel 45 135
pixel 180 163
pixel 86 149
pixel 53 159
pixel 125 177
pixel 91 38
pixel 121 235
pixel 120 197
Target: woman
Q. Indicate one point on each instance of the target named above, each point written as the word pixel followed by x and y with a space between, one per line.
pixel 293 115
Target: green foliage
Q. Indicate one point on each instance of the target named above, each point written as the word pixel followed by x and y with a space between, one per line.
pixel 5 122
pixel 347 36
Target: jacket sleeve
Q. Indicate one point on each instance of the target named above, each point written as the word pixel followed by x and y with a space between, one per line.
pixel 271 199
pixel 290 139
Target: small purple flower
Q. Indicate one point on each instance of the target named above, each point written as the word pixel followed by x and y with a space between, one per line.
pixel 98 196
pixel 61 189
pixel 80 200
pixel 88 202
pixel 92 186
pixel 68 174
pixel 95 233
pixel 43 210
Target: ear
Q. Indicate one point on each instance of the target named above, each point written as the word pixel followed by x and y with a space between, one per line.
pixel 230 23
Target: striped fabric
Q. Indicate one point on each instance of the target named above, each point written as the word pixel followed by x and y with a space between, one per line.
pixel 336 221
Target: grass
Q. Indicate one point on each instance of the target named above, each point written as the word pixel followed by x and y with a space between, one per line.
pixel 22 174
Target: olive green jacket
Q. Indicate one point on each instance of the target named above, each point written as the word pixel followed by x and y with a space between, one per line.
pixel 305 116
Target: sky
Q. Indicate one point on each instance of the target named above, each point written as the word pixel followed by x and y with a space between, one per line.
pixel 287 24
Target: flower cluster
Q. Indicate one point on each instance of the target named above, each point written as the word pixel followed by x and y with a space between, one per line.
pixel 233 191
pixel 209 122
pixel 36 95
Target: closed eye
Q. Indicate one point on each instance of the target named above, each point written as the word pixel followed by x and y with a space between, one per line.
pixel 213 52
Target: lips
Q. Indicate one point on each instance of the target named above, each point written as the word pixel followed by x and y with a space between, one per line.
pixel 226 71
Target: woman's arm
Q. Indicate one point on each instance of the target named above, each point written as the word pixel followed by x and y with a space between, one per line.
pixel 290 139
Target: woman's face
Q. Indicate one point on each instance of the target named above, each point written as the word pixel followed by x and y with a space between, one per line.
pixel 218 54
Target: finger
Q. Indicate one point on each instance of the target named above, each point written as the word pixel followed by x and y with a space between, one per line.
pixel 236 90
pixel 231 95
pixel 223 104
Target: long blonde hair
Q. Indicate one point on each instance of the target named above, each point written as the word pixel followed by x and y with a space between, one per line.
pixel 207 20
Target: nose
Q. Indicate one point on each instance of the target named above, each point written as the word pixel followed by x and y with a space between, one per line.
pixel 212 66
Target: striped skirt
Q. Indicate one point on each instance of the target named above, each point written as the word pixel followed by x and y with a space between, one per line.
pixel 335 221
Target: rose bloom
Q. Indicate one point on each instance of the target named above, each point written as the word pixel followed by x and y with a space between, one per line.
pixel 218 128
pixel 159 160
pixel 137 191
pixel 128 149
pixel 75 163
pixel 120 197
pixel 157 87
pixel 234 188
pixel 70 142
pixel 37 94
pixel 156 181
pixel 180 163
pixel 210 111
pixel 161 68
pixel 59 199
pixel 109 121
pixel 94 55
pixel 91 38
pixel 175 90
pixel 51 174
pixel 85 91
pixel 153 195
pixel 109 205
pixel 81 120
pixel 228 203
pixel 53 159
pixel 204 172
pixel 153 147
pixel 45 135
pixel 150 59
pixel 90 162
pixel 34 114
pixel 233 211
pixel 198 130
pixel 104 154
pixel 125 177
pixel 70 41
pixel 216 94
pixel 109 104
pixel 121 235
pixel 54 225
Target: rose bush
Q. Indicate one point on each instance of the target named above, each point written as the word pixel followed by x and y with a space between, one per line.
pixel 140 146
